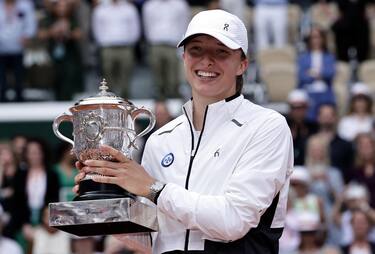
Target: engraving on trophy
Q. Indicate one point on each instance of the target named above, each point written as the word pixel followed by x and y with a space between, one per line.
pixel 93 127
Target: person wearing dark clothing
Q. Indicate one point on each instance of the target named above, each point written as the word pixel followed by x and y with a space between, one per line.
pixel 341 151
pixel 300 126
pixel 352 29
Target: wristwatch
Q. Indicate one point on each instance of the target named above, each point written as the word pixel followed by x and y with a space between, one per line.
pixel 155 190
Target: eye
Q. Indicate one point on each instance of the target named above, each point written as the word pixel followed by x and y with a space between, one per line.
pixel 194 50
pixel 222 53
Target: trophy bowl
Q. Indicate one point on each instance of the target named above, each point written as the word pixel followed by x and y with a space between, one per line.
pixel 104 119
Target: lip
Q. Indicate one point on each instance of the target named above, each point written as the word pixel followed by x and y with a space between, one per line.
pixel 210 75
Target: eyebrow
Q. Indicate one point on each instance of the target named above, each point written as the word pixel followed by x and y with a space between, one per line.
pixel 199 41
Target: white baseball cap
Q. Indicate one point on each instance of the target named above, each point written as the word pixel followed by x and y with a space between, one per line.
pixel 300 174
pixel 298 96
pixel 222 25
pixel 360 89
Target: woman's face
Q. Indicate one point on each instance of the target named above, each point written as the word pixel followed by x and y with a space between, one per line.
pixel 34 153
pixel 316 40
pixel 365 146
pixel 6 156
pixel 317 151
pixel 211 68
pixel 360 105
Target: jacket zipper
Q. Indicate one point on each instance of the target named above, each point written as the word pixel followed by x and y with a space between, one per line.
pixel 192 156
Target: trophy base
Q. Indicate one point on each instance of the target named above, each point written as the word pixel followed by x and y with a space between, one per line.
pixel 90 190
pixel 104 216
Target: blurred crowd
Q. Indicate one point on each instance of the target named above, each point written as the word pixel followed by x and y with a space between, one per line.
pixel 314 55
pixel 60 47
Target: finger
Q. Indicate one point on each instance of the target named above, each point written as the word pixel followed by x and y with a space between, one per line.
pixel 79 177
pixel 75 189
pixel 79 165
pixel 103 164
pixel 104 179
pixel 102 171
pixel 119 156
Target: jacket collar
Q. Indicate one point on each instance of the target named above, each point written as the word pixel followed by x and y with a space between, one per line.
pixel 217 112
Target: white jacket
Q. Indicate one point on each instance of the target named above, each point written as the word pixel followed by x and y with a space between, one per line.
pixel 233 169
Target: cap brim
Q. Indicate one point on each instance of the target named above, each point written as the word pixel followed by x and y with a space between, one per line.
pixel 217 35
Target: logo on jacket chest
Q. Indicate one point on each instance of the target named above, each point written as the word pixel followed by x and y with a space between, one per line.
pixel 167 160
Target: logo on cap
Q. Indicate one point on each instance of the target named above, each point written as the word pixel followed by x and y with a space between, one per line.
pixel 167 160
pixel 226 27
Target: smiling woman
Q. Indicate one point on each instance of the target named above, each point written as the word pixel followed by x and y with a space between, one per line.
pixel 219 173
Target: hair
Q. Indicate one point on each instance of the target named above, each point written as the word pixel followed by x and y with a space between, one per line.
pixel 321 140
pixel 44 149
pixel 239 78
pixel 323 35
pixel 358 160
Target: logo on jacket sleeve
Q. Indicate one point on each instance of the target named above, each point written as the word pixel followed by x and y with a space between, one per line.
pixel 167 160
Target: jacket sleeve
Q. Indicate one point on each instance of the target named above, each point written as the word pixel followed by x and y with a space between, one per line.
pixel 329 68
pixel 303 64
pixel 258 176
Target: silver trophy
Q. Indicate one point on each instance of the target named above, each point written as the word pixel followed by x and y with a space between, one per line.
pixel 99 209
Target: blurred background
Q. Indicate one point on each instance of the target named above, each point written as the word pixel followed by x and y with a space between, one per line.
pixel 311 60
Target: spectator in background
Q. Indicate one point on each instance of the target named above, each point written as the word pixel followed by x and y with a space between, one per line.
pixel 18 143
pixel 361 225
pixel 17 26
pixel 316 70
pixel 327 181
pixel 303 200
pixel 162 38
pixel 270 20
pixel 355 197
pixel 116 29
pixel 60 28
pixel 352 30
pixel 310 229
pixel 300 126
pixel 66 171
pixel 341 151
pixel 8 171
pixel 236 7
pixel 7 245
pixel 364 168
pixel 35 187
pixel 359 119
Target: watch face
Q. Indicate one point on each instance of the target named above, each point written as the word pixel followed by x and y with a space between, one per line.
pixel 157 186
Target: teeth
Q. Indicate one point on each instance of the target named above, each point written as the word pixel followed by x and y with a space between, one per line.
pixel 206 74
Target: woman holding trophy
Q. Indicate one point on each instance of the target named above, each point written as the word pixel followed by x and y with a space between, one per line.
pixel 219 173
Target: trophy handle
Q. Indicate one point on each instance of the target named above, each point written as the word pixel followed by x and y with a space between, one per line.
pixel 134 114
pixel 56 123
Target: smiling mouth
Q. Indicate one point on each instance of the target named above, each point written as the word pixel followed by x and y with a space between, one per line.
pixel 207 74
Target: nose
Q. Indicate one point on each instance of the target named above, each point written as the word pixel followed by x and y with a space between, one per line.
pixel 207 60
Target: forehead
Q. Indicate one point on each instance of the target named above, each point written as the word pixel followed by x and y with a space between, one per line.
pixel 205 39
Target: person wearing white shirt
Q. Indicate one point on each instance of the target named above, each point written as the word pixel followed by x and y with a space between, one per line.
pixel 219 173
pixel 163 29
pixel 270 23
pixel 116 29
pixel 359 119
pixel 17 25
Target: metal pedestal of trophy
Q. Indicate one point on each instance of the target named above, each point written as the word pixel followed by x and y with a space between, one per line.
pixel 104 216
pixel 101 209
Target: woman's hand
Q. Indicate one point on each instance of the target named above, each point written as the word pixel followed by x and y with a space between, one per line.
pixel 79 176
pixel 125 172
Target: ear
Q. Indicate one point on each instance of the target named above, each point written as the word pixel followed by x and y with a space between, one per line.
pixel 242 67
